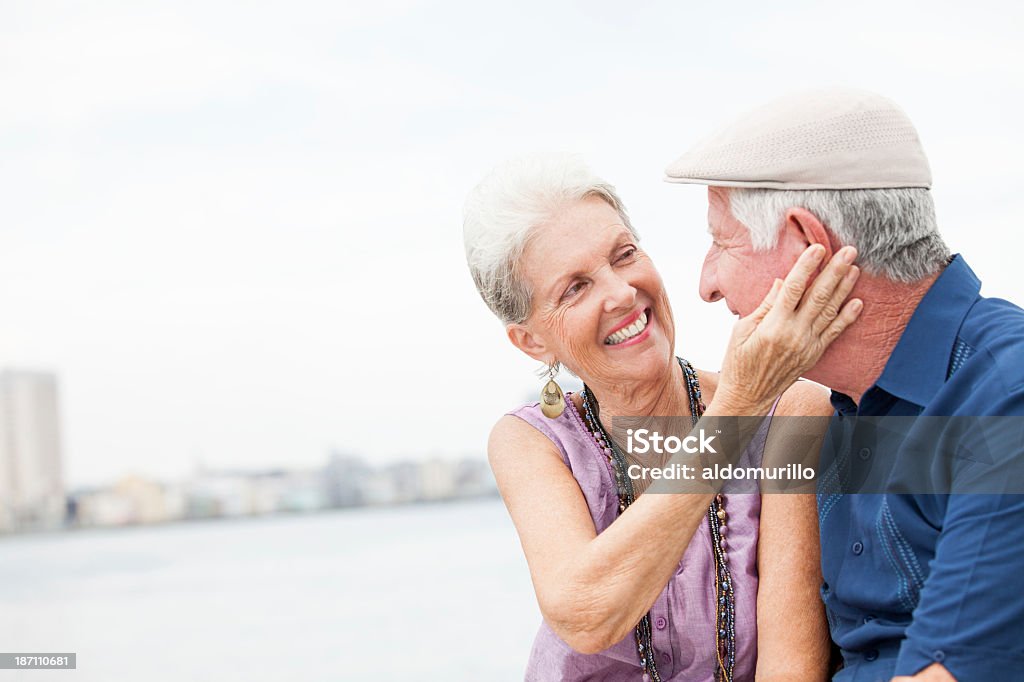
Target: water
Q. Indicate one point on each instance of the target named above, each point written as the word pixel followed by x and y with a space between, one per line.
pixel 431 592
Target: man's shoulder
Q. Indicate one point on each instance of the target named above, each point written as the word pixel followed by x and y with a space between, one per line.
pixel 993 318
pixel 995 326
pixel 990 345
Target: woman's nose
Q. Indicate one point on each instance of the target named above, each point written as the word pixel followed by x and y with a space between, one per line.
pixel 620 295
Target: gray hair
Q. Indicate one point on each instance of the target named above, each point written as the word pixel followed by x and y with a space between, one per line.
pixel 502 213
pixel 894 230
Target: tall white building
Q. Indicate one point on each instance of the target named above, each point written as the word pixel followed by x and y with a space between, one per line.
pixel 31 472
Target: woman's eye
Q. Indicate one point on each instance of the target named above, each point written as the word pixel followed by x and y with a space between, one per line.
pixel 572 290
pixel 628 253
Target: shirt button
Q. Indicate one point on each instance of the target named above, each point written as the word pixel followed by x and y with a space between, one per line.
pixel 864 453
pixel 857 548
pixel 660 623
pixel 939 656
pixel 868 619
pixel 871 655
pixel 666 658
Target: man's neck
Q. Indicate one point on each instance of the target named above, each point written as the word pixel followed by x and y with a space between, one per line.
pixel 855 361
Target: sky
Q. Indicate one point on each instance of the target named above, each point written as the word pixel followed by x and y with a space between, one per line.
pixel 233 230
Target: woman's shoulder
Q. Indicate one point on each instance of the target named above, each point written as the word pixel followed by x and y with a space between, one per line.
pixel 805 398
pixel 530 414
pixel 520 421
pixel 525 428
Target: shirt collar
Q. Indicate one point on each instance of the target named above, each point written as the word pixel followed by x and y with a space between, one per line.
pixel 918 365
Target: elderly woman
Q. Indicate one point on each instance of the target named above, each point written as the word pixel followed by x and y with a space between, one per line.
pixel 634 586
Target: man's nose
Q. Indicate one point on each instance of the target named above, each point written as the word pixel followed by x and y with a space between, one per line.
pixel 709 280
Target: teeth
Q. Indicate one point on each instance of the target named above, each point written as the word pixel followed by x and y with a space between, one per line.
pixel 629 332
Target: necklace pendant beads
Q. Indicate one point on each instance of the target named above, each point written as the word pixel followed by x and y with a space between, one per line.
pixel 725 604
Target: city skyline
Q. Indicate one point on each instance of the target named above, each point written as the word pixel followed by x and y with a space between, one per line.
pixel 33 496
pixel 343 481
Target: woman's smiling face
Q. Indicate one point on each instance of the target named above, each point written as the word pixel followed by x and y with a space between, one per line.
pixel 598 304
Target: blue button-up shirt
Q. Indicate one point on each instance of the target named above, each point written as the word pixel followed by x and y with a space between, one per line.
pixel 910 580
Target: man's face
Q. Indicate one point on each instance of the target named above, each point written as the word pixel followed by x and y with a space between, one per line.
pixel 732 270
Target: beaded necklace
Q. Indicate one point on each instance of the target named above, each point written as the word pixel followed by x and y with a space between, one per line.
pixel 725 603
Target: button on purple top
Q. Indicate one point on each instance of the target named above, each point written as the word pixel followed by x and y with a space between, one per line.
pixel 684 613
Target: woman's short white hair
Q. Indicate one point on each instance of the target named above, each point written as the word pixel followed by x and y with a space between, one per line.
pixel 502 212
pixel 894 230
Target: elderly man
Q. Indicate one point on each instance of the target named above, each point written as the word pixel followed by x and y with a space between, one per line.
pixel 916 586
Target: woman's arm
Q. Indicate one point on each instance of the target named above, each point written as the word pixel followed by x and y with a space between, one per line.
pixel 792 632
pixel 592 589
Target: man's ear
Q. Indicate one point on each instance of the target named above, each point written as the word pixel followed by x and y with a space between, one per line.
pixel 528 342
pixel 802 228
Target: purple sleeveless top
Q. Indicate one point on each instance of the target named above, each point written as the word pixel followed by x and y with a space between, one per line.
pixel 683 616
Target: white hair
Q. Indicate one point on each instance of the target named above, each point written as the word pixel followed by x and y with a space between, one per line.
pixel 502 212
pixel 894 230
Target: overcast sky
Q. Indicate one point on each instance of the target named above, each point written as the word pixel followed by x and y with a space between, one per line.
pixel 234 229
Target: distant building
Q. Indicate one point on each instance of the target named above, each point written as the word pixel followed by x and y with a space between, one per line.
pixel 437 480
pixel 473 478
pixel 31 470
pixel 211 494
pixel 345 480
pixel 219 493
pixel 405 481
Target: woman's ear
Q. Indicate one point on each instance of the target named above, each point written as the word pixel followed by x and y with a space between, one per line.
pixel 803 229
pixel 528 342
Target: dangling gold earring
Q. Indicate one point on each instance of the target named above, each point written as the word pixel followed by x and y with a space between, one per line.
pixel 552 400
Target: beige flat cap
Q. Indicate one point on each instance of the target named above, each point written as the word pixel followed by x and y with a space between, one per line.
pixel 819 139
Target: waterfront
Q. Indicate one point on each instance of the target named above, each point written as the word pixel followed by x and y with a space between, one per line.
pixel 427 592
